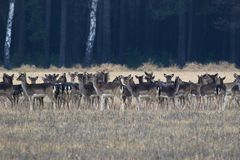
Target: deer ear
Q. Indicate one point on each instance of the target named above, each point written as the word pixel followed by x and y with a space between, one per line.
pixel 137 77
pixel 216 75
pixel 12 75
pixel 235 75
pixel 172 75
pixel 223 78
pixel 37 77
pixel 165 75
pixel 153 77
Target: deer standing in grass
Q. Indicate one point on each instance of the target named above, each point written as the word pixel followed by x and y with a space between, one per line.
pixel 32 91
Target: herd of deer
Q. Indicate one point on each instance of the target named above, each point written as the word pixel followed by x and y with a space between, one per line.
pixel 95 91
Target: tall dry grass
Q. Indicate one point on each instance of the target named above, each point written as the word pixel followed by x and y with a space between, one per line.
pixel 148 66
pixel 189 72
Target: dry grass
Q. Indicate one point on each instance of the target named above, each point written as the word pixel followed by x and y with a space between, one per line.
pixel 113 134
pixel 148 66
pixel 189 72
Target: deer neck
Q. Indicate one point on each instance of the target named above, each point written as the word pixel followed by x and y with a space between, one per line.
pixel 96 88
pixel 238 86
pixel 176 88
pixel 24 87
pixel 129 87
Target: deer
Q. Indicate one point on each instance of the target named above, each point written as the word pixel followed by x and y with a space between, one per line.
pixel 86 89
pixel 106 91
pixel 149 77
pixel 232 92
pixel 50 78
pixel 140 91
pixel 36 90
pixel 209 90
pixel 140 79
pixel 33 80
pixel 8 90
pixel 72 76
pixel 39 99
pixel 169 78
pixel 170 91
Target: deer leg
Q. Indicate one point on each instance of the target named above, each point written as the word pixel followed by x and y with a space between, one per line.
pixel 11 100
pixel 42 101
pixel 102 100
pixel 31 103
pixel 138 103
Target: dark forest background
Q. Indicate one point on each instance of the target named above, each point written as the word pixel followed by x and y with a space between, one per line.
pixel 128 32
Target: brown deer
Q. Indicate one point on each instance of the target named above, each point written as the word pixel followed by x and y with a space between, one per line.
pixel 35 90
pixel 72 76
pixel 169 78
pixel 86 89
pixel 106 91
pixel 140 79
pixel 33 80
pixel 169 91
pixel 140 91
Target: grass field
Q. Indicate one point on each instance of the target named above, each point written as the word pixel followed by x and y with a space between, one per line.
pixel 113 134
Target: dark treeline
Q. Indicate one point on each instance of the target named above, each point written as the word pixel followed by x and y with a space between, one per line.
pixel 128 31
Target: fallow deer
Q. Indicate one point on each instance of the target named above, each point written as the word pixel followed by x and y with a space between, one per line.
pixel 35 90
pixel 140 79
pixel 72 76
pixel 106 91
pixel 169 78
pixel 33 80
pixel 169 91
pixel 140 91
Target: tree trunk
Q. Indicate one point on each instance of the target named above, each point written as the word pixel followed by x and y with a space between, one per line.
pixel 190 31
pixel 106 53
pixel 63 34
pixel 47 35
pixel 181 34
pixel 92 32
pixel 8 35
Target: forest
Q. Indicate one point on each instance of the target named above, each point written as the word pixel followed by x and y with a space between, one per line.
pixel 130 32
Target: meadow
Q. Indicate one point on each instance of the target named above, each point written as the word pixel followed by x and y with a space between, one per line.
pixel 112 134
pixel 116 134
